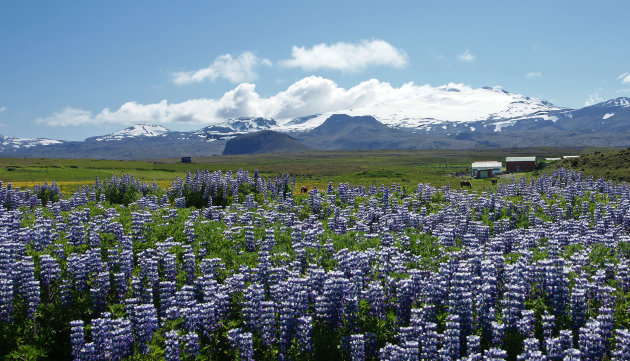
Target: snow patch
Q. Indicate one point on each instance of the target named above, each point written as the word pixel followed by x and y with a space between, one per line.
pixel 607 115
pixel 413 106
pixel 14 143
pixel 503 124
pixel 138 130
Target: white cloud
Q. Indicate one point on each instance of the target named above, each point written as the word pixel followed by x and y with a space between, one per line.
pixel 310 95
pixel 534 74
pixel 346 56
pixel 625 78
pixel 236 70
pixel 467 56
pixel 593 98
pixel 3 109
pixel 68 116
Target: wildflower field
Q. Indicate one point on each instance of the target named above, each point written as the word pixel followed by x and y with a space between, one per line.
pixel 236 266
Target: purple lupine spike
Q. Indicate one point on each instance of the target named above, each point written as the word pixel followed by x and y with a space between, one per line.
pixel 32 295
pixel 357 347
pixel 531 351
pixel 6 297
pixel 498 333
pixel 451 340
pixel 429 342
pixel 77 338
pixel 268 322
pixel 188 264
pixel 242 341
pixel 171 346
pixel 391 353
pixel 591 341
pixel 572 355
pixel 473 345
pixel 305 333
pixel 122 338
pixel 622 345
pixel 190 342
pixel 376 298
pixel 145 325
pixel 411 351
pixel 88 352
pixel 494 354
pixel 548 324
pixel 525 324
pixel 253 297
pixel 103 336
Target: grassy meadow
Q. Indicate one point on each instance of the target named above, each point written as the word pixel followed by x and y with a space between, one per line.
pixel 312 169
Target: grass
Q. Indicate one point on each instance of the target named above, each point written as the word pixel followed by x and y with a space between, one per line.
pixel 312 169
pixel 611 164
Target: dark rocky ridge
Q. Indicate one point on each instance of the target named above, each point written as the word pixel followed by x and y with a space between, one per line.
pixel 265 141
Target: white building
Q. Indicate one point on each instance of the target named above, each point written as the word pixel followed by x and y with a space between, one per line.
pixel 486 169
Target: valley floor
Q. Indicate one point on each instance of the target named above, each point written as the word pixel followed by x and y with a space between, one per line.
pixel 311 169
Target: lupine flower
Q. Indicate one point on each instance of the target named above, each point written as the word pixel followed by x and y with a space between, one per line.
pixel 191 344
pixel 77 338
pixel 357 347
pixel 171 346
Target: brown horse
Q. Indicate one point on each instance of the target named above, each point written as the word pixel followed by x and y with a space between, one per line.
pixel 304 189
pixel 463 184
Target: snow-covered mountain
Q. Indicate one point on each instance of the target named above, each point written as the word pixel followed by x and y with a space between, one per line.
pixel 458 116
pixel 10 144
pixel 454 108
pixel 234 127
pixel 135 131
pixel 621 102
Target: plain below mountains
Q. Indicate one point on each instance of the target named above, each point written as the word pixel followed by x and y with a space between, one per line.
pixel 524 123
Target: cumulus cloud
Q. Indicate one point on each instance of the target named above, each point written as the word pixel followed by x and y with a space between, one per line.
pixel 593 98
pixel 466 56
pixel 68 116
pixel 310 95
pixel 236 70
pixel 346 56
pixel 534 74
pixel 625 78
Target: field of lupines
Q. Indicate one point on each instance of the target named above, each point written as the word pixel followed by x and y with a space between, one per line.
pixel 225 266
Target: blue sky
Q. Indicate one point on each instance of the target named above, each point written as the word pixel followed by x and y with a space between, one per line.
pixel 67 67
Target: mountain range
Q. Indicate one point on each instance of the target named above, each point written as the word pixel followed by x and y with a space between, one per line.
pixel 471 121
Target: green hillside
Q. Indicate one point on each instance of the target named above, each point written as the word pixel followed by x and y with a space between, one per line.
pixel 613 164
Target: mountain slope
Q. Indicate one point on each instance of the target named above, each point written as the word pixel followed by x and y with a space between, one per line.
pixel 342 131
pixel 609 116
pixel 140 141
pixel 613 164
pixel 265 141
pixel 235 127
pixel 135 131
